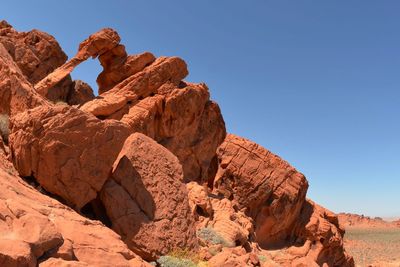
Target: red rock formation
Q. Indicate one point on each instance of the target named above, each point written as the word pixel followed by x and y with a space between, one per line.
pixel 124 158
pixel 69 152
pixel 80 93
pixel 183 120
pixel 361 221
pixel 34 227
pixel 16 93
pixel 97 44
pixel 119 66
pixel 147 201
pixel 272 191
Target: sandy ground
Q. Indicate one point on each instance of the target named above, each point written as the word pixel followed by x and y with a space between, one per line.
pixel 374 246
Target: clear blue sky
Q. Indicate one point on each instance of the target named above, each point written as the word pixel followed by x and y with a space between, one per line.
pixel 316 82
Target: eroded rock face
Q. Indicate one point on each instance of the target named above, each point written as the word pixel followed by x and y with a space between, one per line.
pixel 138 86
pixel 142 157
pixel 16 93
pixel 185 121
pixel 70 153
pixel 119 66
pixel 318 240
pixel 97 44
pixel 271 190
pixel 34 227
pixel 147 201
pixel 37 54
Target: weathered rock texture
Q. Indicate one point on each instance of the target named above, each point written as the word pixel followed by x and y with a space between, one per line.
pixel 34 227
pixel 94 46
pixel 149 158
pixel 36 54
pixel 69 152
pixel 273 194
pixel 16 93
pixel 147 201
pixel 271 190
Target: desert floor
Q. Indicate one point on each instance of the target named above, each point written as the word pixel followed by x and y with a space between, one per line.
pixel 374 246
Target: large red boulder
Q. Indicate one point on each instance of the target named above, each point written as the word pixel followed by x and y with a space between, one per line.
pixel 147 201
pixel 69 152
pixel 272 191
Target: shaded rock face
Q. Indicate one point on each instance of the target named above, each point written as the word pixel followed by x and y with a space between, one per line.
pixel 70 153
pixel 147 201
pixel 319 229
pixel 80 93
pixel 271 190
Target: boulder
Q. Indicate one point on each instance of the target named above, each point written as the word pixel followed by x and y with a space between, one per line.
pixel 69 152
pixel 271 190
pixel 146 200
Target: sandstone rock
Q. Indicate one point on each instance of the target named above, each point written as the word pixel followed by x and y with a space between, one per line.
pixel 16 93
pixel 219 220
pixel 185 121
pixel 147 201
pixel 199 200
pixel 97 44
pixel 80 93
pixel 138 86
pixel 271 190
pixel 70 153
pixel 321 227
pixel 55 262
pixel 16 253
pixel 37 54
pixel 234 257
pixel 31 222
pixel 119 66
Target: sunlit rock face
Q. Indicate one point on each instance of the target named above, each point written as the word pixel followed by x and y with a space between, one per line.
pixel 149 158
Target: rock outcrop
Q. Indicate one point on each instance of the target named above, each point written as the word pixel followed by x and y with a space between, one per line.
pixel 361 221
pixel 271 190
pixel 149 158
pixel 35 228
pixel 69 152
pixel 147 201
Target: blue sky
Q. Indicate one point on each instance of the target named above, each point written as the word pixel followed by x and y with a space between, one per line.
pixel 316 82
